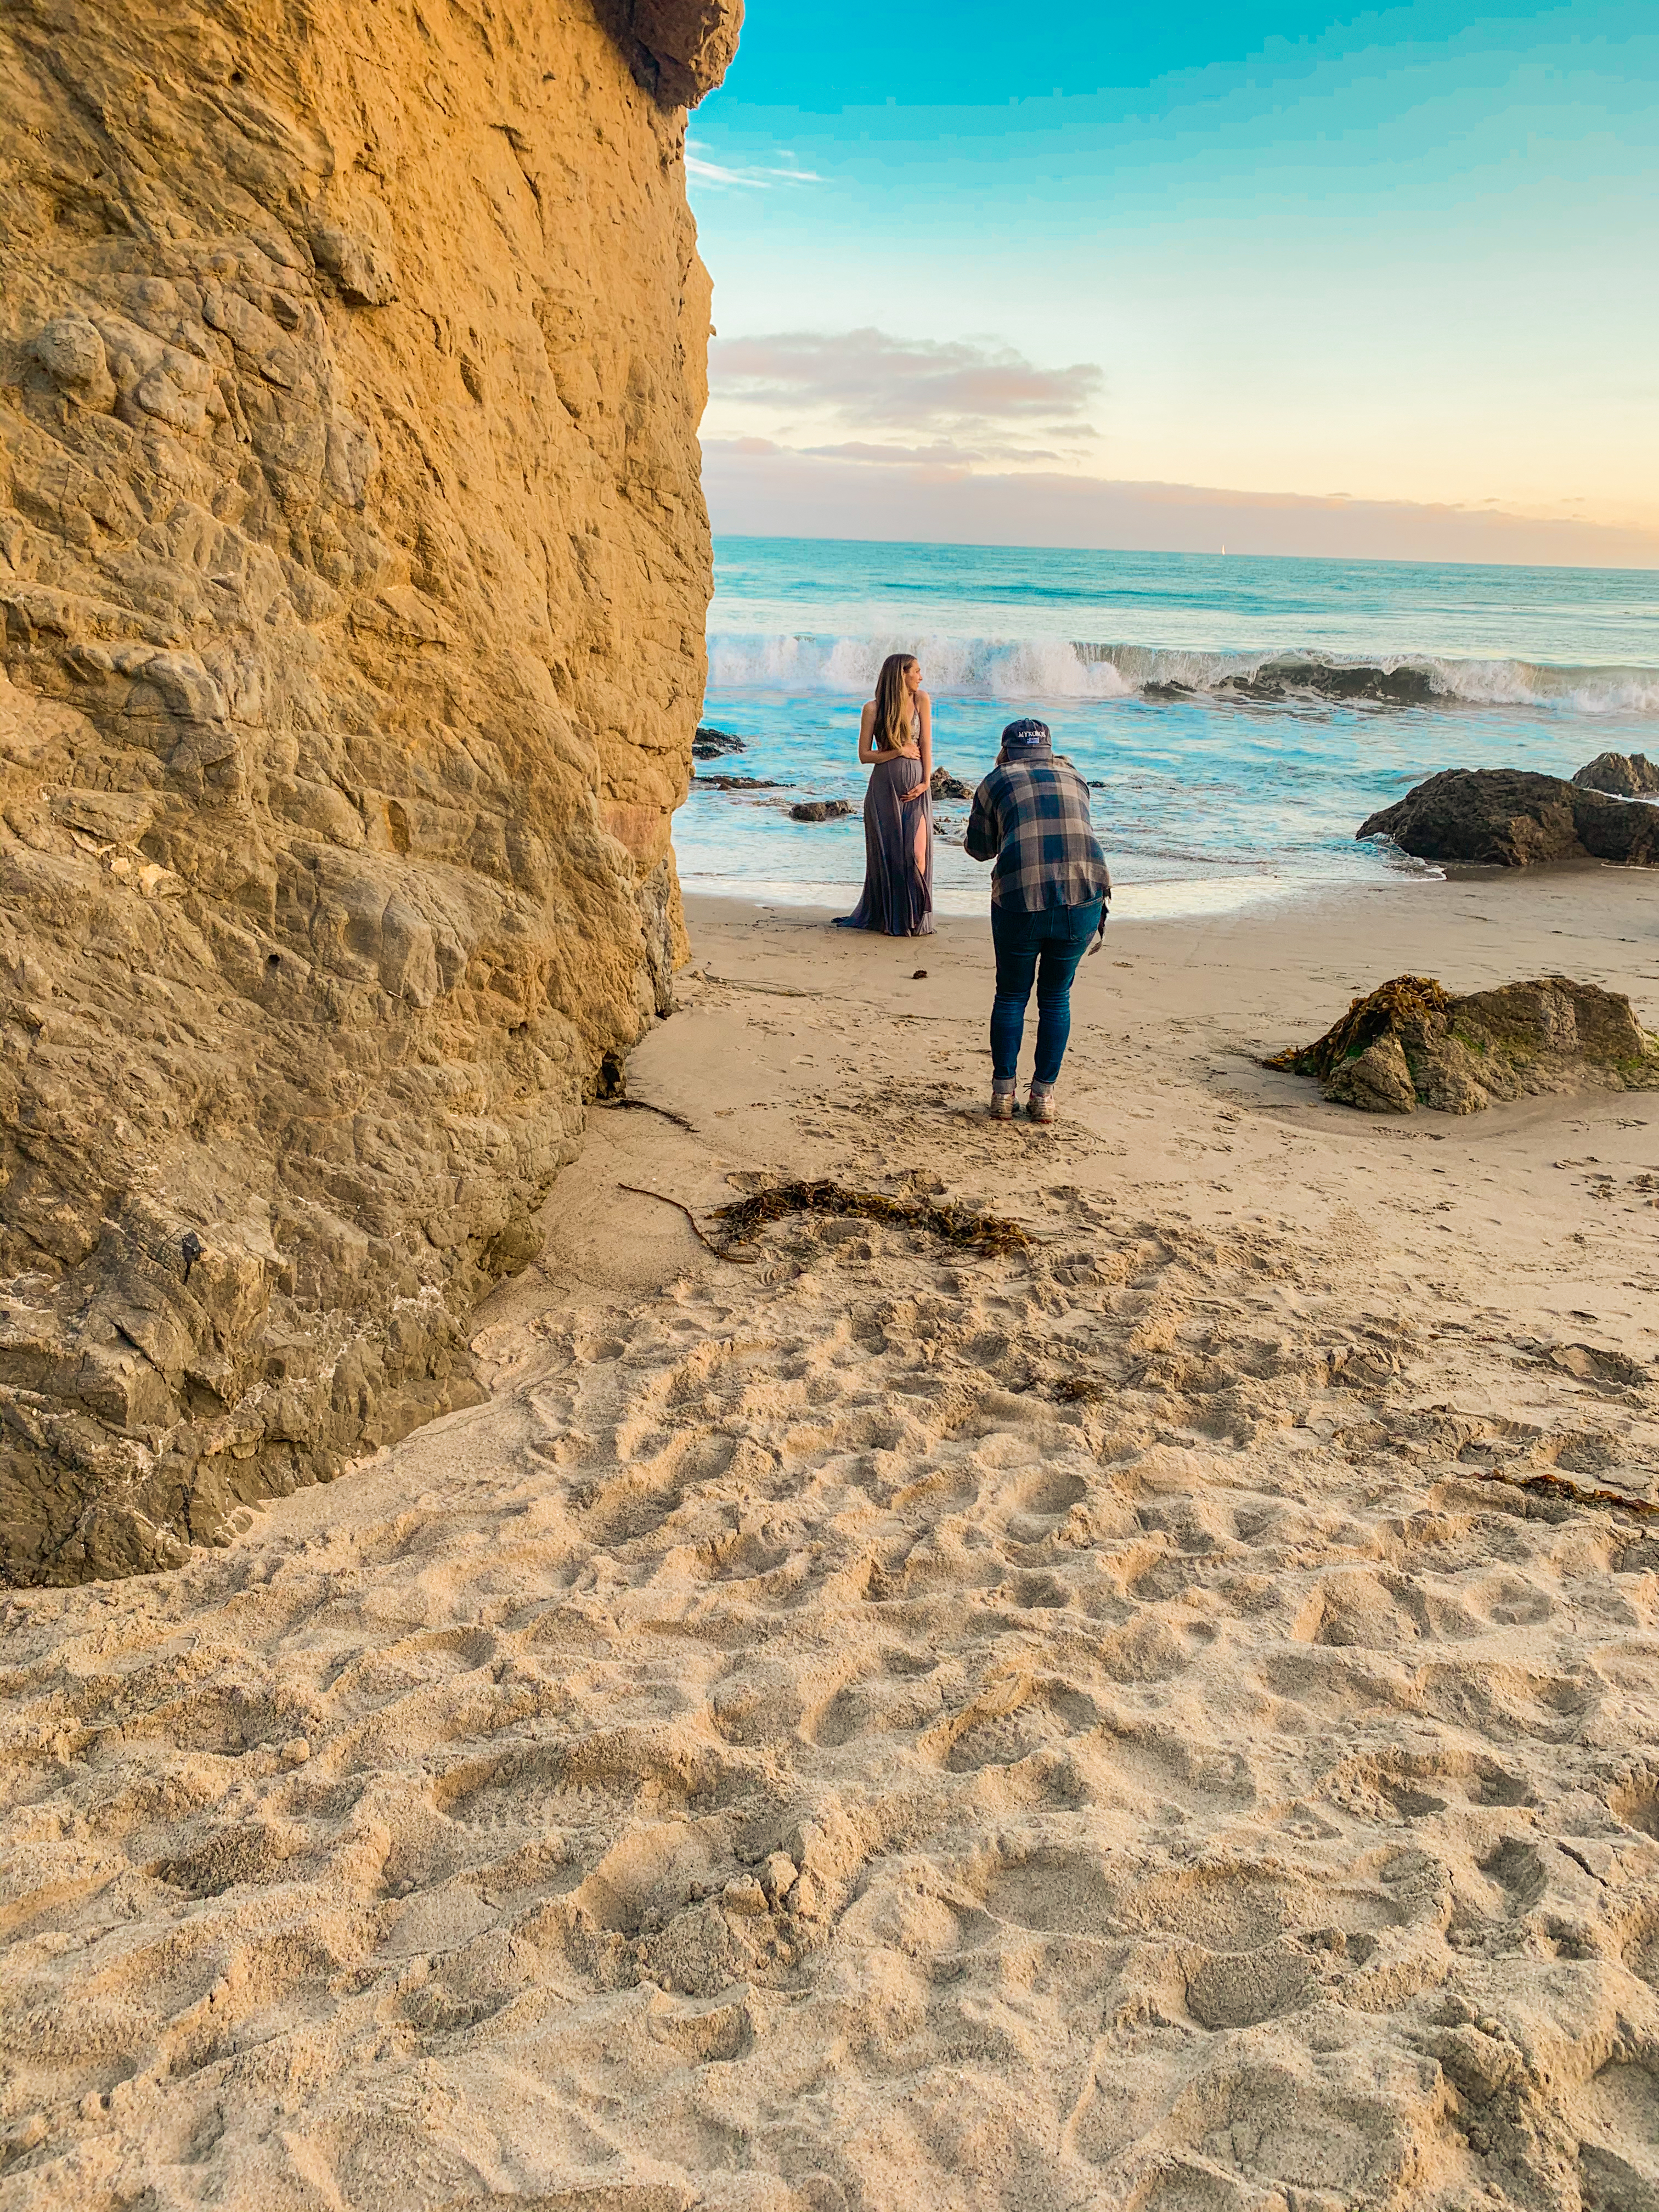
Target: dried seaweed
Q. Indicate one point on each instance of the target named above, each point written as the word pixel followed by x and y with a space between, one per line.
pixel 736 1259
pixel 1080 1389
pixel 644 1106
pixel 1406 998
pixel 1549 1485
pixel 988 1234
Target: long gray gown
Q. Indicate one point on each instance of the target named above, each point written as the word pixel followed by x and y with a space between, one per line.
pixel 898 853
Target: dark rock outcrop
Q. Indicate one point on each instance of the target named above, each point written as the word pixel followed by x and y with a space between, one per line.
pixel 947 785
pixel 1510 817
pixel 1411 1043
pixel 1294 677
pixel 353 573
pixel 1625 775
pixel 714 745
pixel 1276 680
pixel 820 810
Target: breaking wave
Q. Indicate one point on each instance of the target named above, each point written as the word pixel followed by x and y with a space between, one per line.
pixel 1053 668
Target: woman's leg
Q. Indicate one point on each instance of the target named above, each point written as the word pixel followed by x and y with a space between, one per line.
pixel 922 810
pixel 1015 938
pixel 1064 946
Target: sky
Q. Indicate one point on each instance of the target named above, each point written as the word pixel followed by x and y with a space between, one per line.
pixel 1377 283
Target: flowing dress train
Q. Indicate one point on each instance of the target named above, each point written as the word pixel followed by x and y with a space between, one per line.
pixel 898 853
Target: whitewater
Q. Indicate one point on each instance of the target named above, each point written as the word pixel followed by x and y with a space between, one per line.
pixel 1238 715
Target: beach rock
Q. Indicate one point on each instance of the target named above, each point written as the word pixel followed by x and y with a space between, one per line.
pixel 1510 817
pixel 735 783
pixel 353 574
pixel 1411 1043
pixel 947 785
pixel 1624 775
pixel 820 810
pixel 1276 680
pixel 1377 1081
pixel 711 745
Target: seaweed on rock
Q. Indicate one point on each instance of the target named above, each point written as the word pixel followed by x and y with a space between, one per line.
pixel 1406 998
pixel 1411 1043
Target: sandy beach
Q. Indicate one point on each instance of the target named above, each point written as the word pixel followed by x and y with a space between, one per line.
pixel 884 1727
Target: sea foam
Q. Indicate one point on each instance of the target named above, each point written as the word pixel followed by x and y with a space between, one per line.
pixel 1035 668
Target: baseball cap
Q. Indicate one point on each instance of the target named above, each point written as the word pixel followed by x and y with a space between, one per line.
pixel 1027 731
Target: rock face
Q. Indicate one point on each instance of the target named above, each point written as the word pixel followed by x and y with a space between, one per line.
pixel 1411 1043
pixel 820 810
pixel 353 569
pixel 947 785
pixel 1626 775
pixel 1508 818
pixel 680 49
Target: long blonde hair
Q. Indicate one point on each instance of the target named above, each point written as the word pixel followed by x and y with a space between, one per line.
pixel 895 726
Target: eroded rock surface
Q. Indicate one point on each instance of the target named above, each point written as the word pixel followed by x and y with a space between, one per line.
pixel 1411 1043
pixel 353 568
pixel 1510 817
pixel 1626 775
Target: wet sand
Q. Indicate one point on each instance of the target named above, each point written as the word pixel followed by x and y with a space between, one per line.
pixel 883 1726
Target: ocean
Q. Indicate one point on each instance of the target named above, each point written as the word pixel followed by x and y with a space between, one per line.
pixel 1241 715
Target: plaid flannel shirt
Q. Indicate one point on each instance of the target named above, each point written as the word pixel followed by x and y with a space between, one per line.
pixel 1033 816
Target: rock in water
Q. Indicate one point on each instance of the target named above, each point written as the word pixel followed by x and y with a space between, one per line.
pixel 820 810
pixel 1509 817
pixel 947 785
pixel 1411 1043
pixel 1625 775
pixel 1281 679
pixel 353 570
pixel 711 745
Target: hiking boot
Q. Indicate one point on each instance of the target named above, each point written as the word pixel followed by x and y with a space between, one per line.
pixel 1040 1106
pixel 1002 1101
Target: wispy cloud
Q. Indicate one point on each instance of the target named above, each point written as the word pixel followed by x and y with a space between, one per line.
pixel 866 379
pixel 749 176
pixel 943 453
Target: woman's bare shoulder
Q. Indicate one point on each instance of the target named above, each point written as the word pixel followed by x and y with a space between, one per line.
pixel 923 698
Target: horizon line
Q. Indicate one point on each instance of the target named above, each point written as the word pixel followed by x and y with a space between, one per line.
pixel 1187 553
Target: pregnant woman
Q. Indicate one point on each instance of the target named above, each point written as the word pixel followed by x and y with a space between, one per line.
pixel 895 744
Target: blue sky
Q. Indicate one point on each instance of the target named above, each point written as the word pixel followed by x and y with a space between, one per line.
pixel 1404 257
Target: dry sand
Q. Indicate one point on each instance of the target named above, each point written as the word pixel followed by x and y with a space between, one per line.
pixel 886 1728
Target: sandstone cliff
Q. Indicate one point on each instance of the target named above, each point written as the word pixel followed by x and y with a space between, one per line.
pixel 353 567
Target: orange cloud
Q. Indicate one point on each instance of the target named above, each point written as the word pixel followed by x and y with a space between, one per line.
pixel 916 497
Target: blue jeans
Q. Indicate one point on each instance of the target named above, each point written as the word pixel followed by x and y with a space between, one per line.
pixel 1043 948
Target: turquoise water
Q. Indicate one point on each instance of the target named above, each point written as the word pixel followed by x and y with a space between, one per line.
pixel 1242 715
